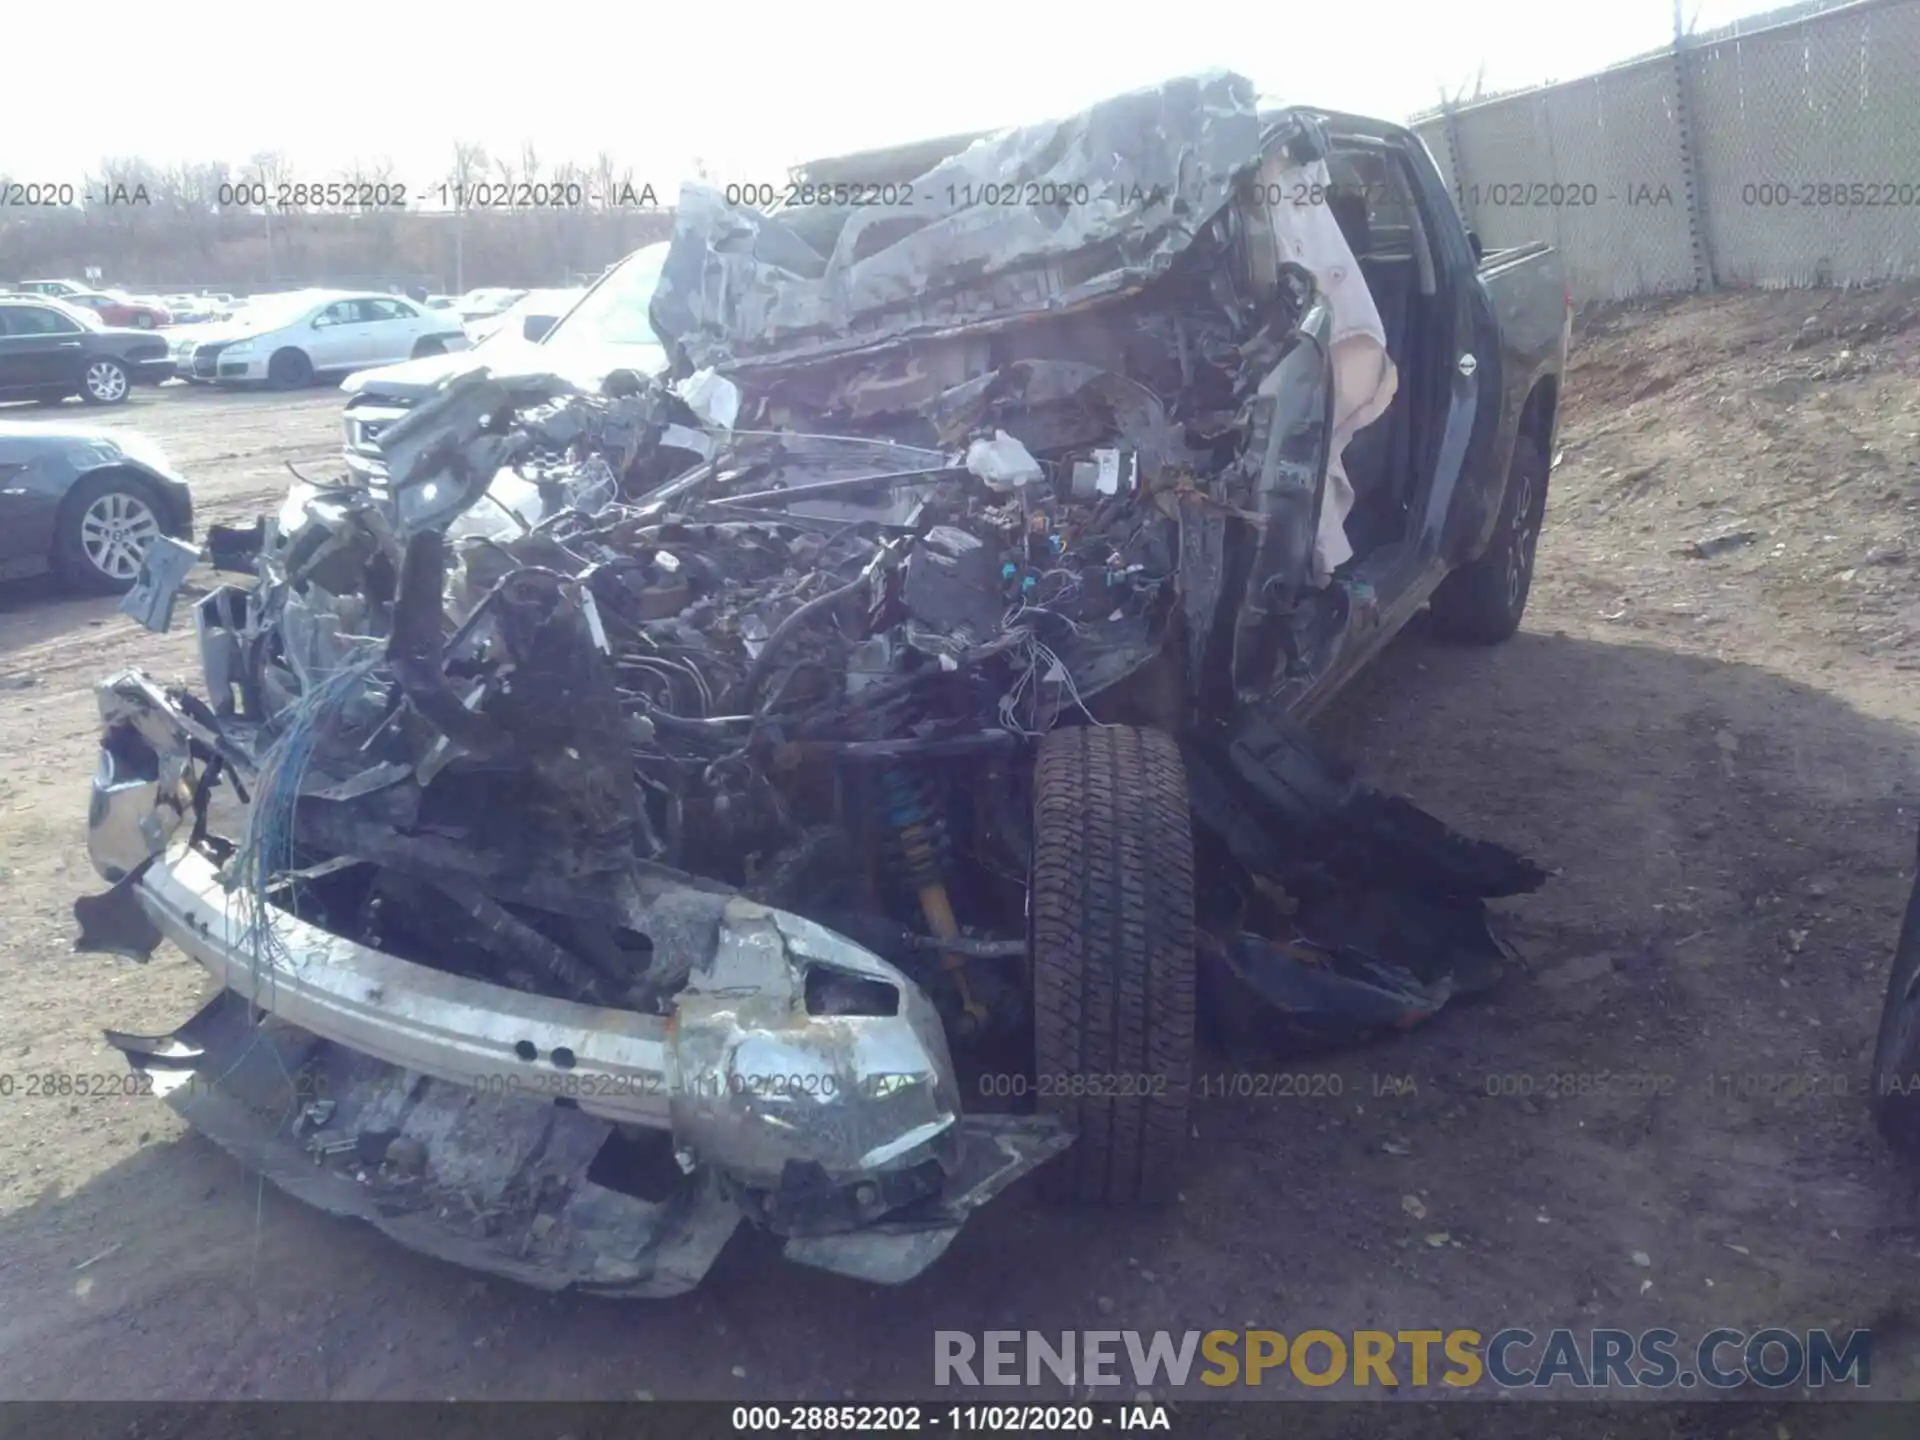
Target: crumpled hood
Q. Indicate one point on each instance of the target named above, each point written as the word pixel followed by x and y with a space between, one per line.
pixel 1035 220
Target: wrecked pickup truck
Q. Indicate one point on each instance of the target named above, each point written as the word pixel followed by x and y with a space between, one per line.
pixel 645 807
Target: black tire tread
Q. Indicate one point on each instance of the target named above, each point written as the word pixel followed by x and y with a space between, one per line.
pixel 1113 958
pixel 296 375
pixel 1471 604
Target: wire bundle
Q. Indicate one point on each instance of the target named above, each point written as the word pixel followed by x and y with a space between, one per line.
pixel 266 851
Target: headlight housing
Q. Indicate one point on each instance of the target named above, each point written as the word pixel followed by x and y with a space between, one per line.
pixel 239 347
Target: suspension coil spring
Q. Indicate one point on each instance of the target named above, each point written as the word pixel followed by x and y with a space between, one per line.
pixel 917 827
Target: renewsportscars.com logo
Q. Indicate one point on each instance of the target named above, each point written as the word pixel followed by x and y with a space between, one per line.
pixel 1509 1359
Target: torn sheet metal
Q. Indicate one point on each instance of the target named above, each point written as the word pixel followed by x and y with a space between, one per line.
pixel 665 749
pixel 512 1185
pixel 1372 913
pixel 162 572
pixel 1035 220
pixel 499 1182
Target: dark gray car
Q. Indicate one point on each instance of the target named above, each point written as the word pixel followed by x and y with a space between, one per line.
pixel 50 350
pixel 85 503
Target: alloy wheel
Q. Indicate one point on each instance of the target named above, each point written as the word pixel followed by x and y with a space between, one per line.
pixel 115 532
pixel 1526 536
pixel 106 381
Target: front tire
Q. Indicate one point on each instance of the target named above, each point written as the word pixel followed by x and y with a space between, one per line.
pixel 290 370
pixel 105 382
pixel 1113 963
pixel 1481 603
pixel 428 347
pixel 104 528
pixel 143 322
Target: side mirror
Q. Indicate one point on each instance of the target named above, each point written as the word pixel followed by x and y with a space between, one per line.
pixel 535 327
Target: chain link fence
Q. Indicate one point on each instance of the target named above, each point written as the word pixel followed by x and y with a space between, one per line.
pixel 1786 155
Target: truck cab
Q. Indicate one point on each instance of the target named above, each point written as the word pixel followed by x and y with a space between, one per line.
pixel 1449 482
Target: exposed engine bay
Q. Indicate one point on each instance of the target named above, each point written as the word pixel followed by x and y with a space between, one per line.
pixel 622 820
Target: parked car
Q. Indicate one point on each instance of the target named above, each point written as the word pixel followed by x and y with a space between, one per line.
pixel 606 329
pixel 440 302
pixel 85 503
pixel 50 350
pixel 1056 732
pixel 533 314
pixel 190 309
pixel 115 307
pixel 58 289
pixel 479 304
pixel 286 340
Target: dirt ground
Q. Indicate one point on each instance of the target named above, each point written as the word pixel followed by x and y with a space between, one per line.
pixel 1718 755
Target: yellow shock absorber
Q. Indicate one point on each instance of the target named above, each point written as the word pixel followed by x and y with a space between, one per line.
pixel 918 833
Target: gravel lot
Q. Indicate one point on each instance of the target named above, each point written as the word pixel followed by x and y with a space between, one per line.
pixel 1718 755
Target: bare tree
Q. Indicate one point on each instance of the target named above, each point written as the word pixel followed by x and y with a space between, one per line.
pixel 195 227
pixel 120 209
pixel 505 175
pixel 266 170
pixel 202 186
pixel 569 225
pixel 469 164
pixel 381 220
pixel 602 178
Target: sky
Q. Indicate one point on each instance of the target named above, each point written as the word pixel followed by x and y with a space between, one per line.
pixel 747 88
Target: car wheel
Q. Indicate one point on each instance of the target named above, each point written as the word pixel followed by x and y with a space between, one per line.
pixel 289 370
pixel 429 347
pixel 1481 603
pixel 105 382
pixel 106 524
pixel 1113 963
pixel 143 322
pixel 1896 1053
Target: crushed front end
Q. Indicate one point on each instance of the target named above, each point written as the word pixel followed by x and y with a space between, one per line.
pixel 600 829
pixel 726 1059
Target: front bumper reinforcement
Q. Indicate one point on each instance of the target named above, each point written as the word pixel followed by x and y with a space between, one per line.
pixel 555 1142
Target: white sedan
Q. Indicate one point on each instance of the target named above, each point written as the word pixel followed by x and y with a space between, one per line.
pixel 287 340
